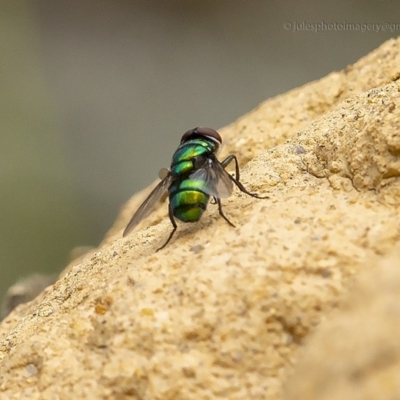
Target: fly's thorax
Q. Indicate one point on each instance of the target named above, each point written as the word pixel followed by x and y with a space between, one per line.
pixel 184 158
pixel 188 199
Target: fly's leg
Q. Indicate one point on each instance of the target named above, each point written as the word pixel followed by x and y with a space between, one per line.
pixel 172 219
pixel 236 179
pixel 244 190
pixel 221 213
pixel 228 160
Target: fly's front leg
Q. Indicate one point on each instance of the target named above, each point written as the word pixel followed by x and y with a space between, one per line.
pixel 228 160
pixel 236 179
pixel 244 190
pixel 173 222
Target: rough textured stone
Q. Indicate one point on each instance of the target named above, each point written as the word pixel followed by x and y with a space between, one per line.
pixel 355 353
pixel 221 312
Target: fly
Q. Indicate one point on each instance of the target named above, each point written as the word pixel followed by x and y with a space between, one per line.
pixel 194 177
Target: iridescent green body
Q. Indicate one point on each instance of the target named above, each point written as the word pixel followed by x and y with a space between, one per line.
pixel 194 177
pixel 187 196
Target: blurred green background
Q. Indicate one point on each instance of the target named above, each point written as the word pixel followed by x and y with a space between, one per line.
pixel 94 96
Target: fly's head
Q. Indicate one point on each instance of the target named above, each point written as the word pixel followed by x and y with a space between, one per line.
pixel 203 133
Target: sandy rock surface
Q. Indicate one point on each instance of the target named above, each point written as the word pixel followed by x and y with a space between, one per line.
pixel 224 312
pixel 355 353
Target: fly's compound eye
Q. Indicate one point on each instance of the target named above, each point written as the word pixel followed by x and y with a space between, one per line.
pixel 199 132
pixel 188 135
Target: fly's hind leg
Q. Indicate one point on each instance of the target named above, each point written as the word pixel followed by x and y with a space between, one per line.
pixel 173 222
pixel 221 213
pixel 236 178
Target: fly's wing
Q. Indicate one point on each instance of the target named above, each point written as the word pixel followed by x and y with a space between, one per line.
pixel 163 173
pixel 148 205
pixel 217 181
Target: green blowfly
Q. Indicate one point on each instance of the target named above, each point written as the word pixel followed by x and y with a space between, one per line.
pixel 195 175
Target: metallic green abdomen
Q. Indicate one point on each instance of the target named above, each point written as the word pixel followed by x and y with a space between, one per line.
pixel 182 160
pixel 188 201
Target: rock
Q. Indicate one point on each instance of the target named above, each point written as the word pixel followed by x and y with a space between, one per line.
pixel 355 353
pixel 25 290
pixel 28 288
pixel 222 312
